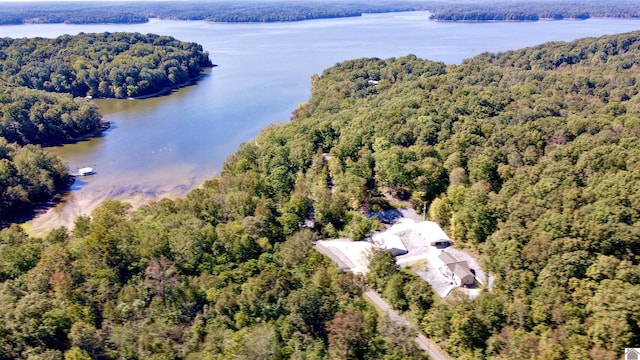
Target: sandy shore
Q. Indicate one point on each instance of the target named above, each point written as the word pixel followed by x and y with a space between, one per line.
pixel 65 213
pixel 87 193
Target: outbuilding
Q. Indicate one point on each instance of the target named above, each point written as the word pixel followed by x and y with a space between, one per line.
pixel 457 271
pixel 433 234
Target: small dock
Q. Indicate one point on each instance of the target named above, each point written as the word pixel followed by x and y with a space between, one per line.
pixel 85 171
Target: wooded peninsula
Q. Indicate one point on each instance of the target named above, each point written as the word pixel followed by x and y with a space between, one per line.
pixel 44 86
pixel 475 11
pixel 530 158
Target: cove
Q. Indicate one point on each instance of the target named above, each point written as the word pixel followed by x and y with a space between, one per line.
pixel 167 145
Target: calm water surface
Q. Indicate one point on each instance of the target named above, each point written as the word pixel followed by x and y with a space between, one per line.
pixel 168 145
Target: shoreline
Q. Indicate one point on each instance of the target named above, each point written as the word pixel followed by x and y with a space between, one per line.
pixel 103 126
pixel 166 90
pixel 515 21
pixel 26 218
pixel 41 208
pixel 51 216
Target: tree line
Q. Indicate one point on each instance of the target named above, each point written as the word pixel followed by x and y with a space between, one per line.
pixel 536 10
pixel 217 11
pixel 252 11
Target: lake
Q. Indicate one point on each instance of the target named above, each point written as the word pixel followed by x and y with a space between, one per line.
pixel 165 146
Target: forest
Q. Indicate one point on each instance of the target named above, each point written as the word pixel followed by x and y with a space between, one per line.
pixel 528 158
pixel 43 85
pixel 286 10
pixel 113 65
pixel 536 10
pixel 215 11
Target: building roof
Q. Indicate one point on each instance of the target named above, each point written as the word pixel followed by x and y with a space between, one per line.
pixel 458 268
pixel 446 258
pixel 432 232
pixel 461 269
pixel 390 242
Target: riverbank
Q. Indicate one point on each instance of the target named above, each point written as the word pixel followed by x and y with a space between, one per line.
pixel 103 126
pixel 87 193
pixel 58 197
pixel 168 89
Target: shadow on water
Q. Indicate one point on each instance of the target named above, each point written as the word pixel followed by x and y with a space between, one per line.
pixel 77 184
pixel 74 183
pixel 104 133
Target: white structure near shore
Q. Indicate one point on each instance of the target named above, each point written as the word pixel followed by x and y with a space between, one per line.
pixel 85 171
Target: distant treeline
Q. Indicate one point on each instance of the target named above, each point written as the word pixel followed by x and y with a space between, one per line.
pixel 288 10
pixel 533 11
pixel 246 11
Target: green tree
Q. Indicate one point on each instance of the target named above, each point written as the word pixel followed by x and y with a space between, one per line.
pixel 382 266
pixel 348 338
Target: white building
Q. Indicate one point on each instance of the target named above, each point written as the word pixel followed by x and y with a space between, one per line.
pixel 433 234
pixel 391 242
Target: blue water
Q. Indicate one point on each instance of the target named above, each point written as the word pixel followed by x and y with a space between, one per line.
pixel 166 146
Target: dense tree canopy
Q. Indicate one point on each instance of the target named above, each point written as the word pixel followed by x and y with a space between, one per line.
pixel 28 175
pixel 37 117
pixel 529 158
pixel 169 281
pixel 535 10
pixel 116 65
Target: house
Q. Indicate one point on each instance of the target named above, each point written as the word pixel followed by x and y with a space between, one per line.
pixel 457 271
pixel 433 234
